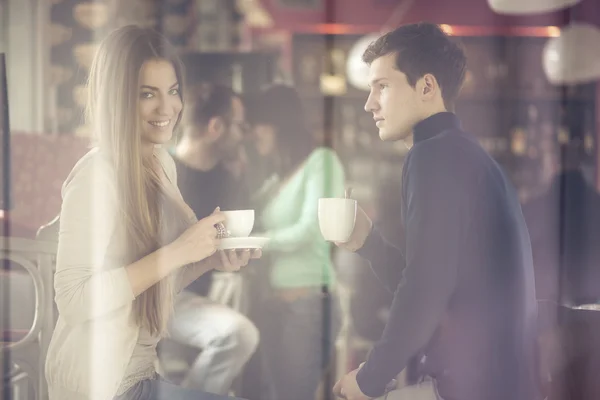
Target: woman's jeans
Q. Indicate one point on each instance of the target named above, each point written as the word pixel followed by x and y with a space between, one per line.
pixel 299 342
pixel 159 389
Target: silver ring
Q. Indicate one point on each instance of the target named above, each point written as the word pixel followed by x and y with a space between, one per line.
pixel 221 230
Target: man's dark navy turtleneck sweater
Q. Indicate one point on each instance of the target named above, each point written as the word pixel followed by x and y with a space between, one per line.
pixel 464 300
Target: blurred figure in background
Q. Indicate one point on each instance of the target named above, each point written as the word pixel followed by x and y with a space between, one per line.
pixel 207 158
pixel 564 224
pixel 302 317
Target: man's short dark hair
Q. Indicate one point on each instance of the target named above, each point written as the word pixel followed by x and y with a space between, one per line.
pixel 206 101
pixel 424 48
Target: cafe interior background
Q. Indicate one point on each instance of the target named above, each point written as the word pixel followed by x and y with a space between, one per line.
pixel 531 86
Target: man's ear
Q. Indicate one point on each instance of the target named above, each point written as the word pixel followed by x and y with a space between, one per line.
pixel 216 127
pixel 429 85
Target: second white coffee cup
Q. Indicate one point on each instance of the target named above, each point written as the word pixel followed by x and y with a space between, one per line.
pixel 336 218
pixel 239 223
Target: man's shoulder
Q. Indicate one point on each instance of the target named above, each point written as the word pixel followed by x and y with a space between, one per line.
pixel 457 144
pixel 451 157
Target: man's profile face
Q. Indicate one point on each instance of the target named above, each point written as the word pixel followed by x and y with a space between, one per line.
pixel 394 103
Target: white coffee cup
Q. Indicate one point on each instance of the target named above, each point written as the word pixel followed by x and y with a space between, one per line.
pixel 239 223
pixel 336 218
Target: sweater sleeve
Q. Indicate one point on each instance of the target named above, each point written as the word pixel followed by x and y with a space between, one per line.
pixel 86 288
pixel 435 204
pixel 387 261
pixel 324 178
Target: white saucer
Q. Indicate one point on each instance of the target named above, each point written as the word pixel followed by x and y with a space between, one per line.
pixel 243 243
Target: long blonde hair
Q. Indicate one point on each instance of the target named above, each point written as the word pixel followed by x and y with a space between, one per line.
pixel 150 214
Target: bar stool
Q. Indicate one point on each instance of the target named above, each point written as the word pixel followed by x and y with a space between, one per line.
pixel 26 350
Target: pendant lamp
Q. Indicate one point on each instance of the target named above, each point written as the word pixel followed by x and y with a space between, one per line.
pixel 524 7
pixel 574 56
pixel 356 70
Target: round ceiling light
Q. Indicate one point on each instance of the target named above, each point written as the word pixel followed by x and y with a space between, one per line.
pixel 520 7
pixel 357 71
pixel 574 56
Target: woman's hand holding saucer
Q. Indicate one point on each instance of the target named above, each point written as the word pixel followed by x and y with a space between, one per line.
pixel 233 260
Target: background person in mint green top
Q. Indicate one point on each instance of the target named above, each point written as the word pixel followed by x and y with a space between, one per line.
pixel 301 318
pixel 299 255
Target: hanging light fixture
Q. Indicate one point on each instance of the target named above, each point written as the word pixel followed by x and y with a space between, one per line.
pixel 356 69
pixel 255 14
pixel 574 56
pixel 523 7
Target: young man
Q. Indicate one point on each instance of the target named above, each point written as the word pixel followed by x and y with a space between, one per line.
pixel 207 159
pixel 464 301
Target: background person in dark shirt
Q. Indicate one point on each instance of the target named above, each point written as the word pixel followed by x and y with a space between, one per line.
pixel 464 299
pixel 207 161
pixel 564 224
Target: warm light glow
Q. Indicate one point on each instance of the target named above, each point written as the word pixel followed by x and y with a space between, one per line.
pixel 553 31
pixel 335 29
pixel 454 30
pixel 447 28
pixel 255 15
pixel 1 213
pixel 525 31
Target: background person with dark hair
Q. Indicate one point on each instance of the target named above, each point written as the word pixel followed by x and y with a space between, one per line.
pixel 213 128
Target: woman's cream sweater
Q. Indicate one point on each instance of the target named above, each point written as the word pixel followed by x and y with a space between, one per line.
pixel 95 334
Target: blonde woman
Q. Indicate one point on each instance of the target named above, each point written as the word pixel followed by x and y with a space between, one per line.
pixel 128 242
